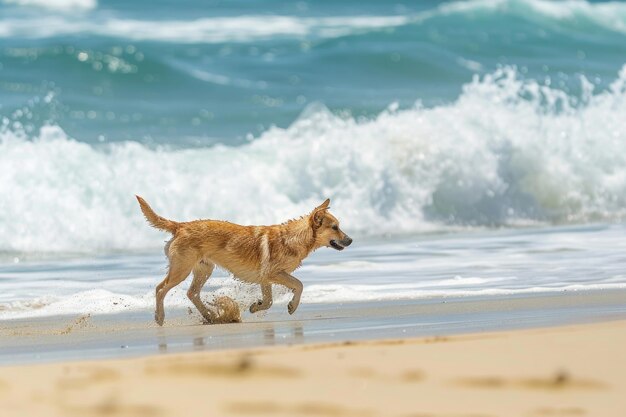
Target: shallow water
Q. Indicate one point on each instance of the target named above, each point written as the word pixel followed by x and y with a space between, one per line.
pixel 470 147
pixel 489 263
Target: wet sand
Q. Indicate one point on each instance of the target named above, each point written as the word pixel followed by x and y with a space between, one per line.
pixel 63 338
pixel 560 371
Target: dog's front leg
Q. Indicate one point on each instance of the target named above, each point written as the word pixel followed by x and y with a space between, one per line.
pixel 293 284
pixel 266 302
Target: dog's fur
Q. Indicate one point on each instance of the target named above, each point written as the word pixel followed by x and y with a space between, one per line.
pixel 258 254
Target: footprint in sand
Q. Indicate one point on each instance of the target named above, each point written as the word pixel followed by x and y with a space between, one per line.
pixel 447 415
pixel 84 377
pixel 305 409
pixel 560 412
pixel 412 375
pixel 111 406
pixel 561 380
pixel 244 366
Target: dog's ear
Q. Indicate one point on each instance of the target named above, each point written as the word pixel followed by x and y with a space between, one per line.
pixel 324 205
pixel 317 216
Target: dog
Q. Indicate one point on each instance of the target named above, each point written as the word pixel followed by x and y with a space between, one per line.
pixel 264 255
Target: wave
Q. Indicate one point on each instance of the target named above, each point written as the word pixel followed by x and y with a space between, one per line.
pixel 579 14
pixel 99 301
pixel 58 5
pixel 205 30
pixel 508 151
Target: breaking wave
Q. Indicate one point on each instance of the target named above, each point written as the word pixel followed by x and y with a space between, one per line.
pixel 577 14
pixel 508 151
pixel 204 30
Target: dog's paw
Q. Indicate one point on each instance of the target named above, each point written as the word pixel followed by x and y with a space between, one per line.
pixel 255 307
pixel 291 308
pixel 159 319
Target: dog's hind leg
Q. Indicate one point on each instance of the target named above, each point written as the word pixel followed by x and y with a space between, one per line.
pixel 266 302
pixel 167 254
pixel 293 284
pixel 201 273
pixel 180 267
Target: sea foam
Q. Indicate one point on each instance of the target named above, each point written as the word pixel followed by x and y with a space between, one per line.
pixel 204 30
pixel 508 151
pixel 606 15
pixel 58 5
pixel 246 28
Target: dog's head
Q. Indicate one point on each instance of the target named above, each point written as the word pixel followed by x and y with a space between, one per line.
pixel 327 229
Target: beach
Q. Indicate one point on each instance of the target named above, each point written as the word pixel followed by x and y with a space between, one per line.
pixel 474 150
pixel 557 371
pixel 86 336
pixel 497 323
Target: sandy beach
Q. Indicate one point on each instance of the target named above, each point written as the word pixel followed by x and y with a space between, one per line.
pixel 561 371
pixel 474 151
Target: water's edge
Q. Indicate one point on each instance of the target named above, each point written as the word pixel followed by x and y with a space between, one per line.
pixel 63 338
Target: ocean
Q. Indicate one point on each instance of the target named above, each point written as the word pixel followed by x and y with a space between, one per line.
pixel 469 147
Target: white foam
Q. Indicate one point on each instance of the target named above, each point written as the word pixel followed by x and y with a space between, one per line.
pixel 608 15
pixel 99 301
pixel 60 5
pixel 331 294
pixel 246 28
pixel 204 30
pixel 507 150
pixel 102 301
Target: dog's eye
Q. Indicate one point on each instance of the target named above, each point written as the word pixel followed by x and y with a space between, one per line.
pixel 335 227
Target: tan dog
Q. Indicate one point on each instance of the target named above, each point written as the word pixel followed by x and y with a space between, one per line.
pixel 258 254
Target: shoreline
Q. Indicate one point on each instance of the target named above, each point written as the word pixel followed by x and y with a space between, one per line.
pixel 134 334
pixel 562 371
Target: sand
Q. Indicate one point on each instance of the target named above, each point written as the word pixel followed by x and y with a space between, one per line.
pixel 562 371
pixel 134 333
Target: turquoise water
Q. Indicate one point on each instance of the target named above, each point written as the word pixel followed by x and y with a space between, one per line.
pixel 196 73
pixel 420 119
pixel 414 117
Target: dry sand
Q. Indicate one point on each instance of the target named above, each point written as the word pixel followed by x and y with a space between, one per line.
pixel 563 371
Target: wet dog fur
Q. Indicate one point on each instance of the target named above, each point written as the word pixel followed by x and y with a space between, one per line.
pixel 265 255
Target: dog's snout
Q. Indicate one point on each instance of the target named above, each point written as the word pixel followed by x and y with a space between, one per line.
pixel 347 241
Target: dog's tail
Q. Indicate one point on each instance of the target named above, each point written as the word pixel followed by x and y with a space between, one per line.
pixel 154 219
